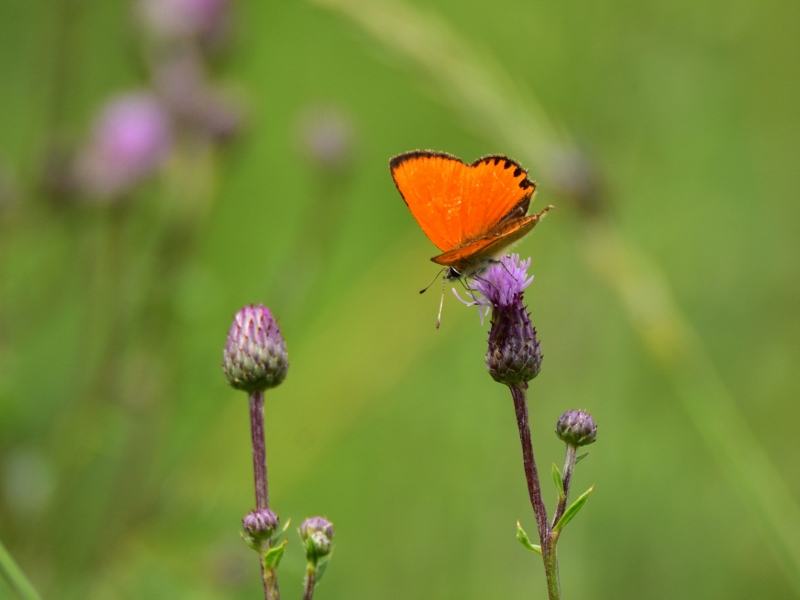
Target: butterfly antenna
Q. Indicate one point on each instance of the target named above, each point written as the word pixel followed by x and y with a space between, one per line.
pixel 487 281
pixel 425 289
pixel 441 304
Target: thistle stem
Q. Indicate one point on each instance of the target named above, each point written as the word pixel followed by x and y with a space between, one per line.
pixel 269 576
pixel 311 581
pixel 566 479
pixel 546 540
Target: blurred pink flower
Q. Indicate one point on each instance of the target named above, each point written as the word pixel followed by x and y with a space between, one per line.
pixel 131 138
pixel 186 18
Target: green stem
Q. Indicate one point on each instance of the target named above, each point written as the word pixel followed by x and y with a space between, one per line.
pixel 311 581
pixel 569 465
pixel 271 591
pixel 15 577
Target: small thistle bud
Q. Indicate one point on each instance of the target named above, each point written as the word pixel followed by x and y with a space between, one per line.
pixel 259 526
pixel 577 428
pixel 317 535
pixel 255 355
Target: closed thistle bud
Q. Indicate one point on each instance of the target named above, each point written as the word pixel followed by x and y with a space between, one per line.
pixel 259 526
pixel 576 428
pixel 317 535
pixel 255 355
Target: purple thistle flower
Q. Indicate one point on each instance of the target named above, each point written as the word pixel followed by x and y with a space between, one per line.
pixel 514 356
pixel 130 140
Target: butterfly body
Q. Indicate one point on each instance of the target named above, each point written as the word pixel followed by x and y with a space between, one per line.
pixel 472 212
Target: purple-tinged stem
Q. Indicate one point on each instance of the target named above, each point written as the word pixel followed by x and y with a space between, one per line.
pixel 535 492
pixel 259 449
pixel 269 576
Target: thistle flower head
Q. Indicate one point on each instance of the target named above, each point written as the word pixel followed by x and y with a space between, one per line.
pixel 130 139
pixel 317 535
pixel 259 526
pixel 514 356
pixel 255 355
pixel 503 284
pixel 577 428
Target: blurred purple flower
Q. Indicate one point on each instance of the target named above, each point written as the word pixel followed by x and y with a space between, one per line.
pixel 182 85
pixel 205 19
pixel 130 140
pixel 327 138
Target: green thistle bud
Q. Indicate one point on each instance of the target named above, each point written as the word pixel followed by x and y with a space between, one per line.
pixel 255 355
pixel 577 428
pixel 317 535
pixel 259 526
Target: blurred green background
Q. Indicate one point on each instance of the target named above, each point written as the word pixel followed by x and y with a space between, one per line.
pixel 124 457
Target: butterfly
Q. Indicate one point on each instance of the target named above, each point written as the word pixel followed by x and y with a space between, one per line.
pixel 471 212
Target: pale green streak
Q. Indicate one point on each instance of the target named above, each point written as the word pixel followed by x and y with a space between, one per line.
pixel 15 577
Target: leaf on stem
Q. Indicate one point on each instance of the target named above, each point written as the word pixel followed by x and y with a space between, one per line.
pixel 321 567
pixel 525 541
pixel 573 510
pixel 274 555
pixel 581 457
pixel 559 481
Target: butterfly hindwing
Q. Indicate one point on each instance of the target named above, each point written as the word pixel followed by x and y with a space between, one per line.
pixel 455 203
pixel 472 254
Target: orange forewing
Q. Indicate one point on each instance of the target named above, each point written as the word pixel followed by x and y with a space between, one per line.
pixel 456 204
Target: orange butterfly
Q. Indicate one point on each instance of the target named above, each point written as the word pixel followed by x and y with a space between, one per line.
pixel 470 212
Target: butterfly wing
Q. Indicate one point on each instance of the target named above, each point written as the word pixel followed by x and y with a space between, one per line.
pixel 455 203
pixel 471 255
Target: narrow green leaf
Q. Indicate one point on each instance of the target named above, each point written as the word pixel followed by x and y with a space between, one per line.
pixel 573 510
pixel 525 541
pixel 289 521
pixel 274 555
pixel 558 480
pixel 321 567
pixel 581 457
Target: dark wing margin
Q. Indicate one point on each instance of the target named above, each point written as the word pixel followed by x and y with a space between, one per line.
pixel 507 164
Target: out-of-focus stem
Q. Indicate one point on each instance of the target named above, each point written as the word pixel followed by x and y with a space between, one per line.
pixel 311 581
pixel 535 492
pixel 566 479
pixel 15 577
pixel 271 591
